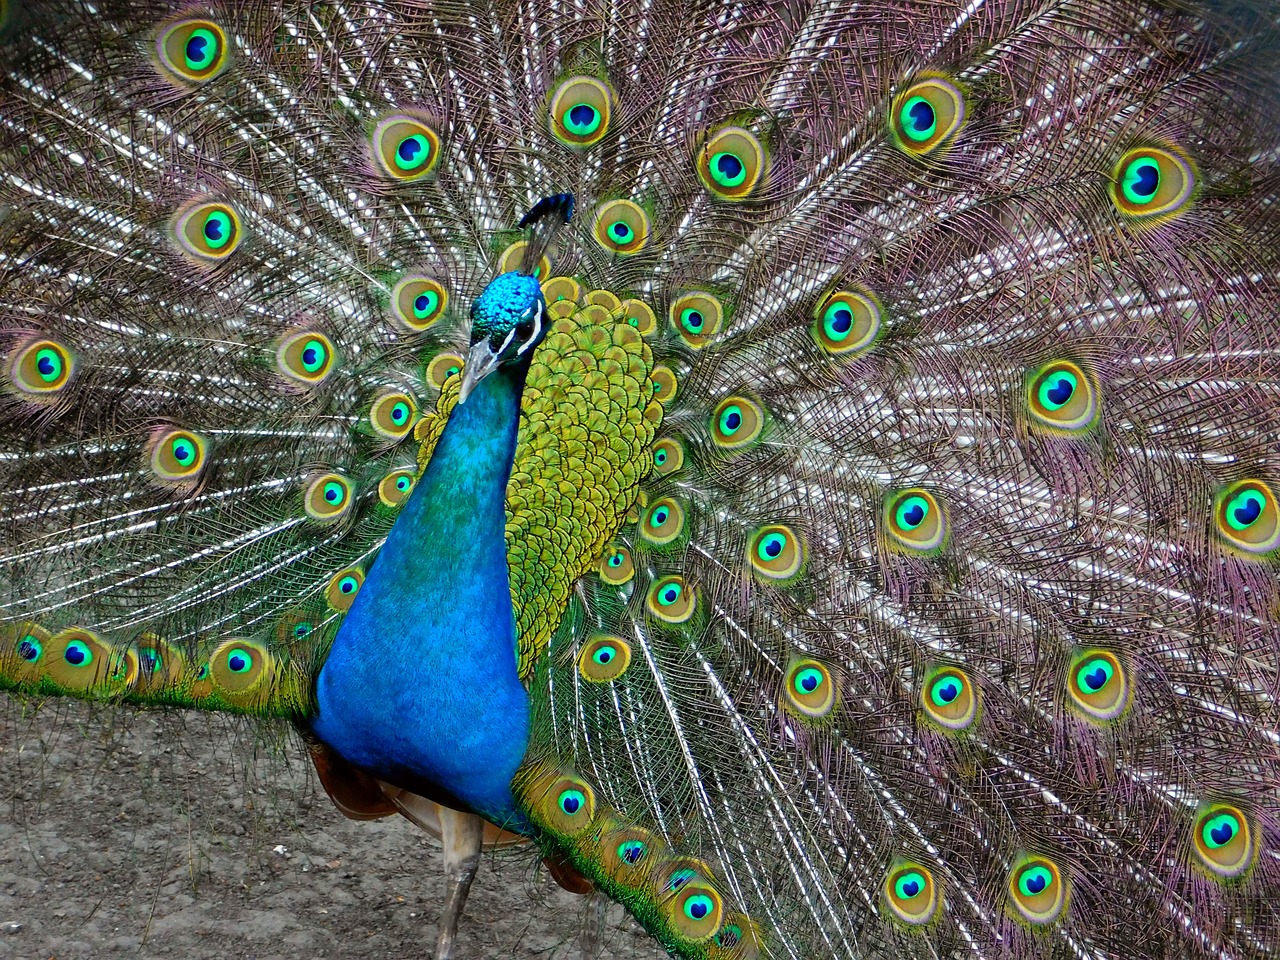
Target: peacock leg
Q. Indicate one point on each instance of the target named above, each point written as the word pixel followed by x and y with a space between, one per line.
pixel 461 835
pixel 592 937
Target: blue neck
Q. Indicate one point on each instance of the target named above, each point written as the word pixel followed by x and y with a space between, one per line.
pixel 420 687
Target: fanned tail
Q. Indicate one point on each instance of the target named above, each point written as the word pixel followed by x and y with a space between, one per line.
pixel 944 620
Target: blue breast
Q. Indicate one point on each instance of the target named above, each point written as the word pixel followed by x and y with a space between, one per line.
pixel 420 687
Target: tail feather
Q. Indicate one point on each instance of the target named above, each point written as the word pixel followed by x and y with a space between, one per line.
pixel 946 622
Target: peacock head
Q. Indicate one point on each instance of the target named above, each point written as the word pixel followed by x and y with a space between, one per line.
pixel 507 322
pixel 509 318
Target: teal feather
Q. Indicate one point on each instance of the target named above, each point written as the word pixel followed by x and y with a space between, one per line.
pixel 863 539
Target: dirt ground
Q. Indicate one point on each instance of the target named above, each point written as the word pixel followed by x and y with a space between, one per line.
pixel 137 834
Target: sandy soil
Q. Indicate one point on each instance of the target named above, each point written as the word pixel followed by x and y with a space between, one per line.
pixel 139 834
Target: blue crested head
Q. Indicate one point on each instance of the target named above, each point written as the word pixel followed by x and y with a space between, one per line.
pixel 508 318
pixel 510 299
pixel 506 324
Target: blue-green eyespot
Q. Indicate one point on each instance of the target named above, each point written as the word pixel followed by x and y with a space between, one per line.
pixel 405 147
pixel 926 116
pixel 192 51
pixel 731 163
pixel 580 111
pixel 1153 184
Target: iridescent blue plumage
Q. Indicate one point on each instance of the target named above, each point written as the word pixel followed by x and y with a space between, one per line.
pixel 420 687
pixel 504 303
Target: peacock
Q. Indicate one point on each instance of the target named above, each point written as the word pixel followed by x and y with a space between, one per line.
pixel 808 470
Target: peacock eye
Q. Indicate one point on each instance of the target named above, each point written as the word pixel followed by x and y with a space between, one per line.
pixel 731 163
pixel 405 147
pixel 208 231
pixel 580 108
pixel 1224 841
pixel 192 51
pixel 1098 685
pixel 1153 184
pixel 582 119
pixel 239 661
pixel 926 115
pixel 621 227
pixel 1039 889
pixel 178 455
pixel 631 852
pixel 911 894
pixel 605 658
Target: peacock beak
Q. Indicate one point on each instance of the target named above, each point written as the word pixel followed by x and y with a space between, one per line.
pixel 481 361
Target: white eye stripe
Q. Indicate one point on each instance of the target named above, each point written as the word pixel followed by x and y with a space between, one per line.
pixel 537 329
pixel 506 342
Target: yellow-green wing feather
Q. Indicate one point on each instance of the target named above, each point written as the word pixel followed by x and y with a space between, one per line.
pixel 588 414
